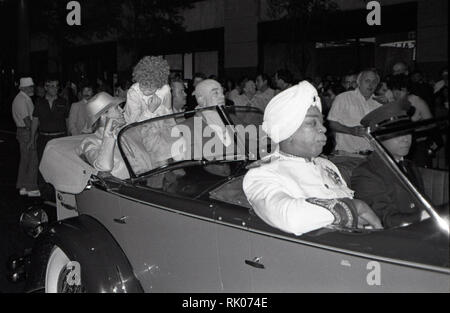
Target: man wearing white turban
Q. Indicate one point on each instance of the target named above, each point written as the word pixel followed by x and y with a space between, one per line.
pixel 294 189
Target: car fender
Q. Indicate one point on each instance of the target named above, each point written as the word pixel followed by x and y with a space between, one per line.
pixel 104 266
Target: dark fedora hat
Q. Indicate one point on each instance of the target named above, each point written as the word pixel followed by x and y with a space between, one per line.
pixel 391 114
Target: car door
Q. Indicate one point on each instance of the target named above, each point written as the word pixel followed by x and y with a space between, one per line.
pixel 293 267
pixel 304 264
pixel 170 242
pixel 234 248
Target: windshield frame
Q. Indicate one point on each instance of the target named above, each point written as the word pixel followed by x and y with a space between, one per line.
pixel 221 110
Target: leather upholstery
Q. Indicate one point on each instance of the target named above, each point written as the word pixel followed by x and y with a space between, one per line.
pixel 436 185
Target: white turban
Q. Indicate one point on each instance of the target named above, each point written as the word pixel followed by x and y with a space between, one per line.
pixel 287 110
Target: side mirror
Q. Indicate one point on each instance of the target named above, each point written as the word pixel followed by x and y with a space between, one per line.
pixel 34 221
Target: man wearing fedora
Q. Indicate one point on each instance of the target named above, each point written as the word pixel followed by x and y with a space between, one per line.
pixel 22 112
pixel 375 184
pixel 100 148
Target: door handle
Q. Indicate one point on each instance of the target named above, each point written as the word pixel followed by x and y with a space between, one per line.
pixel 256 262
pixel 122 220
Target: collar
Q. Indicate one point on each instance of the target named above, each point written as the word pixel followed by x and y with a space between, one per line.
pixel 25 95
pixel 379 165
pixel 291 156
pixel 53 99
pixel 360 95
pixel 135 86
pixel 264 91
pixel 248 99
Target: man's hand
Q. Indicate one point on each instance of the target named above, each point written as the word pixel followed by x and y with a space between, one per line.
pixel 358 131
pixel 112 128
pixel 366 216
pixel 31 144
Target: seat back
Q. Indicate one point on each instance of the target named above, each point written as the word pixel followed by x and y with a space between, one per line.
pixel 231 192
pixel 436 185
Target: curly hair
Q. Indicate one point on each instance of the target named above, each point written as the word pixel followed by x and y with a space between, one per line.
pixel 151 71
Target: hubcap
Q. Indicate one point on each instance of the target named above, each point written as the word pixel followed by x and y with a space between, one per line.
pixel 63 275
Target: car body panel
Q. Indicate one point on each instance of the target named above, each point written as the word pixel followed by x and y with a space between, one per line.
pixel 186 237
pixel 167 250
pixel 421 245
pixel 290 267
pixel 175 250
pixel 234 250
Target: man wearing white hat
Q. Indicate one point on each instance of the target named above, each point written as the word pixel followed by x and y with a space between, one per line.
pixel 22 112
pixel 294 189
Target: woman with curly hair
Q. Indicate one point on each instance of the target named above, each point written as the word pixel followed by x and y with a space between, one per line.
pixel 149 96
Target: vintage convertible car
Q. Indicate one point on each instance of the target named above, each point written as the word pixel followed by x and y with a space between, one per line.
pixel 181 222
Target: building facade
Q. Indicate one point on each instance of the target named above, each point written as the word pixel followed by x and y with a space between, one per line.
pixel 231 38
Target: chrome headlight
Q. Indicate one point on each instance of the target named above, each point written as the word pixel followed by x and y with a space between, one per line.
pixel 34 221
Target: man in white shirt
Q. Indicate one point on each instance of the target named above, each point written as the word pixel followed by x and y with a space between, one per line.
pixel 248 94
pixel 77 116
pixel 347 111
pixel 293 189
pixel 264 93
pixel 22 112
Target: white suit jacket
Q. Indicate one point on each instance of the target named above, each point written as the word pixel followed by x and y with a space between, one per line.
pixel 278 191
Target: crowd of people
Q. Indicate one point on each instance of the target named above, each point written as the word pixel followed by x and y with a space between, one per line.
pixel 296 117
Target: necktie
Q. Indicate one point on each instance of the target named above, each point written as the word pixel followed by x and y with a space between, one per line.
pixel 403 167
pixel 408 173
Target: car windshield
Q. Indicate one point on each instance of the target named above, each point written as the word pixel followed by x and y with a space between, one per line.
pixel 419 173
pixel 207 135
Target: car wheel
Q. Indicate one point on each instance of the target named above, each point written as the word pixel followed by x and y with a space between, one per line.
pixel 63 275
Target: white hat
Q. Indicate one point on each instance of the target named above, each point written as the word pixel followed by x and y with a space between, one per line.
pixel 100 103
pixel 286 111
pixel 26 82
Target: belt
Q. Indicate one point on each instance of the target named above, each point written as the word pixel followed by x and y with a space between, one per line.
pixel 22 127
pixel 52 134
